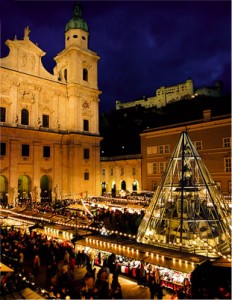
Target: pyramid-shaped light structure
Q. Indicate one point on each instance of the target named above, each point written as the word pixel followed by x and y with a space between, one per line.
pixel 188 212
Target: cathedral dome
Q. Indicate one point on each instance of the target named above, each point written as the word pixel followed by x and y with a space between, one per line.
pixel 77 22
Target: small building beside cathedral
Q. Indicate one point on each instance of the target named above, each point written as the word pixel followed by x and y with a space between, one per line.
pixel 50 141
pixel 211 136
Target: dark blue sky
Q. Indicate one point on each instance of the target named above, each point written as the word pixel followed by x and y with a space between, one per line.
pixel 142 44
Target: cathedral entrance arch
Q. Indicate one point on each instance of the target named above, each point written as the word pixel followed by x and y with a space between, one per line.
pixel 103 186
pixel 135 186
pixel 3 191
pixel 24 188
pixel 46 189
pixel 123 185
pixel 113 190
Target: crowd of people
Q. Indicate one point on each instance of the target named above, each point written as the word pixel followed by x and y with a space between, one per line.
pixel 60 260
pixel 16 245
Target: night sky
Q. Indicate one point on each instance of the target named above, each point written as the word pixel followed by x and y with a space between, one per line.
pixel 143 45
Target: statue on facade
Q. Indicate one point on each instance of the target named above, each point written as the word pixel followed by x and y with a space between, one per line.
pixel 26 33
pixel 37 194
pixel 77 11
pixel 57 192
pixel 15 196
pixel 38 122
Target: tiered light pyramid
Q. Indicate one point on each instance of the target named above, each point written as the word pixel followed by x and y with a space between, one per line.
pixel 187 212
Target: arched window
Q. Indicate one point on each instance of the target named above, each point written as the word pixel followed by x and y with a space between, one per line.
pixel 45 121
pixel 103 188
pixel 46 188
pixel 123 185
pixel 85 74
pixel 113 190
pixel 134 186
pixel 3 190
pixel 24 188
pixel 2 114
pixel 86 125
pixel 24 117
pixel 65 74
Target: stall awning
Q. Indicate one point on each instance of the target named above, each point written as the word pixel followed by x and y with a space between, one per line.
pixel 115 249
pixel 221 262
pixel 176 260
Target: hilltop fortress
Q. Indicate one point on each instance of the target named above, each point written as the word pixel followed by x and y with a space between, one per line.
pixel 165 95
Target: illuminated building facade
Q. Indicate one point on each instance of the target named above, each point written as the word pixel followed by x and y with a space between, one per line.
pixel 212 138
pixel 50 142
pixel 121 173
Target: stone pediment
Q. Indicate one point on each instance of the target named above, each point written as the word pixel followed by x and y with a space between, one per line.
pixel 25 57
pixel 26 45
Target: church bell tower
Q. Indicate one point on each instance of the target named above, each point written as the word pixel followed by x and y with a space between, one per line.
pixel 77 67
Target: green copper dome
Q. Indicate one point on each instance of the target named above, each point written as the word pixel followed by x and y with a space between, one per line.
pixel 77 22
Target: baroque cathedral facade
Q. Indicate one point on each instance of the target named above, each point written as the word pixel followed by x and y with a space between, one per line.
pixel 50 140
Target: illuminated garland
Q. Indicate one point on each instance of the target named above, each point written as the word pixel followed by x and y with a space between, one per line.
pixel 109 232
